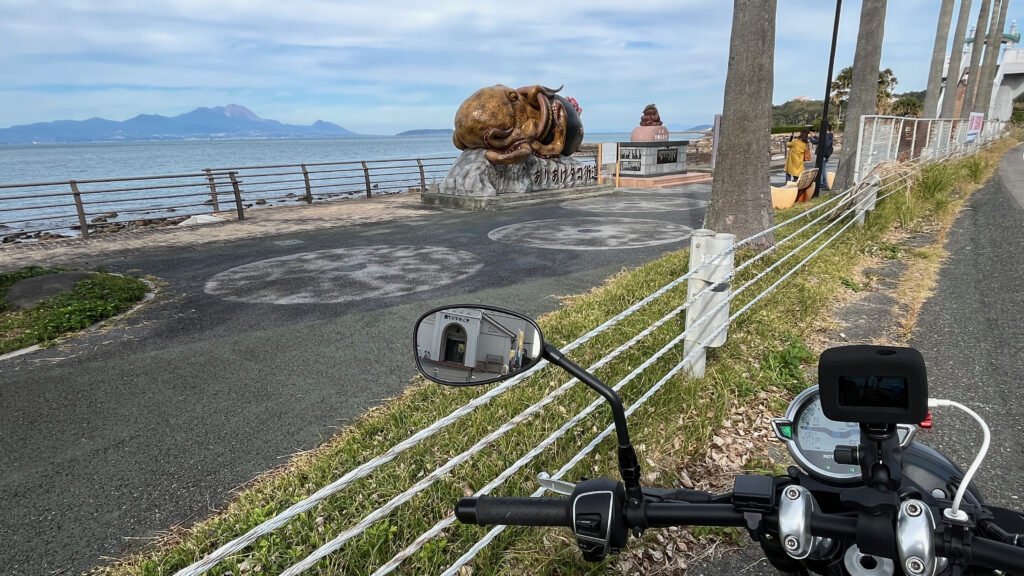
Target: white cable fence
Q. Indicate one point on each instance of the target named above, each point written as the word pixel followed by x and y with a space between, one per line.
pixel 899 139
pixel 707 306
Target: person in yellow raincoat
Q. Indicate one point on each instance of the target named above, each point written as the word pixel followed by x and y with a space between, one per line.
pixel 798 149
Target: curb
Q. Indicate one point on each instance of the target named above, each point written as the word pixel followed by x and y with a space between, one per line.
pixel 149 295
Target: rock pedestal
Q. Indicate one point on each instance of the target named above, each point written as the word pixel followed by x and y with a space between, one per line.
pixel 474 183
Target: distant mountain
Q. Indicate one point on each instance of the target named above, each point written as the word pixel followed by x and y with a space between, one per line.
pixel 221 122
pixel 703 127
pixel 428 132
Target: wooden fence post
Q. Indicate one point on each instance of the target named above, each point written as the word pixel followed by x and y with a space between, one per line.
pixel 81 209
pixel 213 189
pixel 423 176
pixel 309 191
pixel 366 177
pixel 238 195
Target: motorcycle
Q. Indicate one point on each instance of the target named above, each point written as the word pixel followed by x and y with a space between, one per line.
pixel 864 499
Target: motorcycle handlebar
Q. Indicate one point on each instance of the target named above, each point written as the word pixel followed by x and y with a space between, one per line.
pixel 515 511
pixel 558 512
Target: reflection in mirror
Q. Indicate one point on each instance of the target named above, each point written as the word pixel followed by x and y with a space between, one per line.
pixel 463 346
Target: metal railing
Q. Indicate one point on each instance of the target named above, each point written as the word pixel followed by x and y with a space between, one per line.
pixel 34 210
pixel 708 312
pixel 898 139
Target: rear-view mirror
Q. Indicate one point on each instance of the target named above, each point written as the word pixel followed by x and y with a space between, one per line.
pixel 469 345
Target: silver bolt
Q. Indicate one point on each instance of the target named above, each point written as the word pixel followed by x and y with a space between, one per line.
pixel 915 565
pixel 792 493
pixel 792 543
pixel 913 509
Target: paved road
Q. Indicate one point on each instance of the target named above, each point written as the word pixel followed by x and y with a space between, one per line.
pixel 971 333
pixel 260 347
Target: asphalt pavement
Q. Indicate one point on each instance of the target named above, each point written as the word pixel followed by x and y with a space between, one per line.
pixel 257 348
pixel 971 333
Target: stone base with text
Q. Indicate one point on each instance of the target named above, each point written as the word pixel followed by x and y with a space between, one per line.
pixel 474 183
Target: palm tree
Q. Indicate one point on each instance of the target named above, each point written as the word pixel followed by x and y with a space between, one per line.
pixel 976 49
pixel 864 87
pixel 841 90
pixel 886 82
pixel 953 72
pixel 993 43
pixel 931 98
pixel 741 202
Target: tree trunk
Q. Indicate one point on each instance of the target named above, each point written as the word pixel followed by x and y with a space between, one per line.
pixel 993 43
pixel 976 48
pixel 931 97
pixel 864 87
pixel 953 72
pixel 741 201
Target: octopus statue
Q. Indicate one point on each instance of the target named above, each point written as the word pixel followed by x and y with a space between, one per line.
pixel 651 116
pixel 513 124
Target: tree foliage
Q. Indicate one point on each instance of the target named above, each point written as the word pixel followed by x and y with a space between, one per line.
pixel 907 106
pixel 887 81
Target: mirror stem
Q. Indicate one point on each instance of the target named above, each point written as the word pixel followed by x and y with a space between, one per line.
pixel 629 466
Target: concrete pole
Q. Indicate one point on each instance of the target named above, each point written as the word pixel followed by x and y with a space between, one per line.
pixel 711 283
pixel 976 48
pixel 953 72
pixel 931 97
pixel 993 43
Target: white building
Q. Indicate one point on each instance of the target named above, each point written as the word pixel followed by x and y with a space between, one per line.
pixel 476 339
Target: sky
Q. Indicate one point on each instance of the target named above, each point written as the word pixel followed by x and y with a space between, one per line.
pixel 385 66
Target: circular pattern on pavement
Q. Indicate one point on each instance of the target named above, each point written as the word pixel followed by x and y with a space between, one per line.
pixel 343 275
pixel 591 233
pixel 634 204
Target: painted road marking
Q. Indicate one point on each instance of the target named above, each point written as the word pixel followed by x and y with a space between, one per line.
pixel 634 204
pixel 344 275
pixel 591 233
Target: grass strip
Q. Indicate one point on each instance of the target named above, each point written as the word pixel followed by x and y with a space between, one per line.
pixel 765 350
pixel 96 298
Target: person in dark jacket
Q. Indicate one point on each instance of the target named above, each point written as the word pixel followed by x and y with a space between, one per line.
pixel 826 153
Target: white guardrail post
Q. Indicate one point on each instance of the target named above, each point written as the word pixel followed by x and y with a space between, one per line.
pixel 707 245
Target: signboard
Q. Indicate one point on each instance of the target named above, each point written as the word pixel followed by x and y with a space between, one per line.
pixel 974 126
pixel 609 153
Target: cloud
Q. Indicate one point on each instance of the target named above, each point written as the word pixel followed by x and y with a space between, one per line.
pixel 389 65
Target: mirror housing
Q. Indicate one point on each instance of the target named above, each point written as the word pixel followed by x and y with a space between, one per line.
pixel 468 345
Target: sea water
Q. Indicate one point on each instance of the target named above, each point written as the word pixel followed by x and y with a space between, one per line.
pixel 59 163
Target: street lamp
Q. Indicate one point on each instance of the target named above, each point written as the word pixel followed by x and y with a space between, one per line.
pixel 820 160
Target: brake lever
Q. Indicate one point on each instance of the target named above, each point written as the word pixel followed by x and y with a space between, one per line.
pixel 556 486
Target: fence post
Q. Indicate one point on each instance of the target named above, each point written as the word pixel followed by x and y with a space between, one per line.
pixel 213 189
pixel 309 190
pixel 913 138
pixel 423 176
pixel 713 281
pixel 366 177
pixel 80 208
pixel 238 195
pixel 857 152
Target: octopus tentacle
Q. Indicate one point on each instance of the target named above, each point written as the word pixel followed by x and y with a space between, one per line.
pixel 504 157
pixel 495 138
pixel 554 147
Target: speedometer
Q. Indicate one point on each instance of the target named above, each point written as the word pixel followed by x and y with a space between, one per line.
pixel 812 438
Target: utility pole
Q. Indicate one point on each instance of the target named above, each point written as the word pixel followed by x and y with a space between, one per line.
pixel 819 162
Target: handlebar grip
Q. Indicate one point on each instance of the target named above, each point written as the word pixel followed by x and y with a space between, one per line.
pixel 515 511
